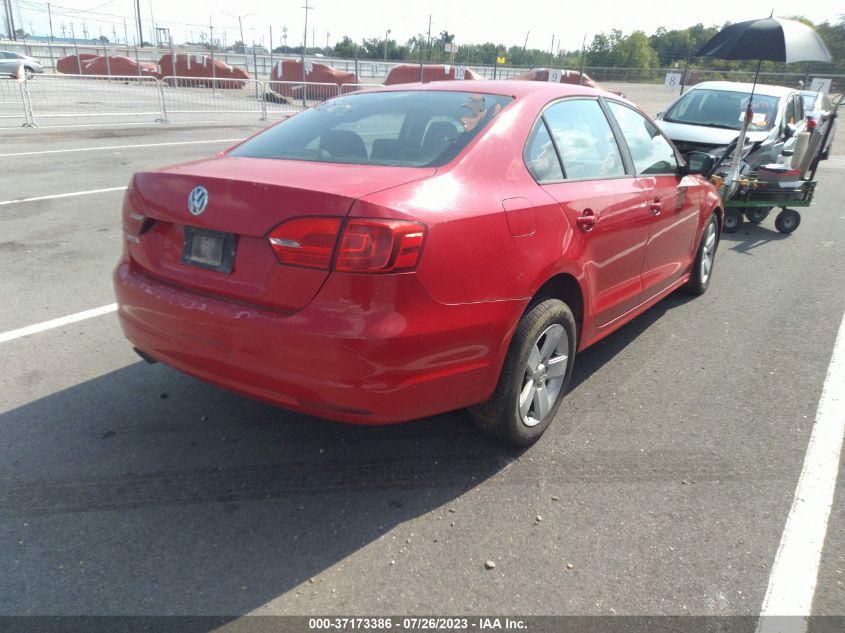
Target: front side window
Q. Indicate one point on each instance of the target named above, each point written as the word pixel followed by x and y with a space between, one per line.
pixel 651 153
pixel 584 139
pixel 412 128
pixel 798 109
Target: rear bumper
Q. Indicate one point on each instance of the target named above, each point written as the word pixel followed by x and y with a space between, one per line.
pixel 369 349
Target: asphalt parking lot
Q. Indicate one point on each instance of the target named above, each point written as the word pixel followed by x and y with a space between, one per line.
pixel 662 488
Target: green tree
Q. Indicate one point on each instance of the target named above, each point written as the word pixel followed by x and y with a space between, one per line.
pixel 345 48
pixel 635 51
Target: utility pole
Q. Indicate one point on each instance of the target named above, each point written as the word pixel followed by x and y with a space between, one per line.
pixel 429 48
pixel 138 20
pixel 125 33
pixel 285 39
pixel 10 19
pixel 307 8
pixel 552 52
pixel 241 26
pixel 522 61
pixel 429 37
pixel 583 54
pixel 328 33
pixel 152 24
pixel 386 34
pixel 50 18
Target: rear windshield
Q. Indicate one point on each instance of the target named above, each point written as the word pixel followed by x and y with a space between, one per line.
pixel 722 109
pixel 412 128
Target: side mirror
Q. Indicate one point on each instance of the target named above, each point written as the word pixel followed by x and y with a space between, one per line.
pixel 698 163
pixel 789 130
pixel 659 115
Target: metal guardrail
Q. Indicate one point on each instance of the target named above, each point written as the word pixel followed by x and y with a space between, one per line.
pixel 207 95
pixel 51 96
pixel 63 96
pixel 346 89
pixel 284 94
pixel 12 100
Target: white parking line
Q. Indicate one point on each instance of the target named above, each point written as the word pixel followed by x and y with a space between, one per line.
pixel 795 571
pixel 62 195
pixel 11 335
pixel 107 147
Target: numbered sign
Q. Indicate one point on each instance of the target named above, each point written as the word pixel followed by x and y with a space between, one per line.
pixel 460 71
pixel 672 80
pixel 819 84
pixel 554 75
pixel 309 65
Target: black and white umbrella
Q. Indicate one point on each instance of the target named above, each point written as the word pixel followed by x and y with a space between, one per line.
pixel 770 39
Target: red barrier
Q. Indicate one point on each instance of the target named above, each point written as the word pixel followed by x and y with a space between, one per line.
pixel 291 70
pixel 566 77
pixel 410 74
pixel 89 64
pixel 200 67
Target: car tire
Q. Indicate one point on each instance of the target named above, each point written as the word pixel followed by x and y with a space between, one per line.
pixel 787 221
pixel 28 73
pixel 705 258
pixel 733 220
pixel 546 332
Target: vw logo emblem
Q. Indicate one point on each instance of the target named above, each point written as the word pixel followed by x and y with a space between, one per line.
pixel 197 200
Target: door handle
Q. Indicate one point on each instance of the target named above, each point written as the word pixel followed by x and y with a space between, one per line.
pixel 587 220
pixel 656 207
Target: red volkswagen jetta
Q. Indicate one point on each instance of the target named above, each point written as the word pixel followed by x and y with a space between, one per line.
pixel 401 252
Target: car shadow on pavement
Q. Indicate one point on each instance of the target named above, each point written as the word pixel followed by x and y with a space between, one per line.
pixel 751 236
pixel 596 356
pixel 144 491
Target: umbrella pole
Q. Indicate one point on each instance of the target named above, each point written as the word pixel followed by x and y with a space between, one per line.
pixel 733 175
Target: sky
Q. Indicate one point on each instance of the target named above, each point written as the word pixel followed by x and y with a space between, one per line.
pixel 471 21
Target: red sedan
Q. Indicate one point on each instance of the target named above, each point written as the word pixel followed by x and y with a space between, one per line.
pixel 401 252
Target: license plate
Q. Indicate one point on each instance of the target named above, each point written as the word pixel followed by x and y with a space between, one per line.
pixel 209 249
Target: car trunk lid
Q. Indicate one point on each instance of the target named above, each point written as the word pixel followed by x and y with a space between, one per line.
pixel 247 197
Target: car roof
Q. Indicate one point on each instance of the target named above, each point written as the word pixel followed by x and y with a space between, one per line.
pixel 737 86
pixel 510 88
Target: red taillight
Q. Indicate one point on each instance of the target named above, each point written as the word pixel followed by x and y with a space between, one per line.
pixel 365 246
pixel 376 246
pixel 811 123
pixel 133 211
pixel 306 242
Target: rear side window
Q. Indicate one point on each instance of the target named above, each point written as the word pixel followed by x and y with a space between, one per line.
pixel 403 128
pixel 584 139
pixel 651 153
pixel 541 157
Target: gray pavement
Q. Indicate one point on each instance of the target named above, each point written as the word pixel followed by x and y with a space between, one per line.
pixel 662 487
